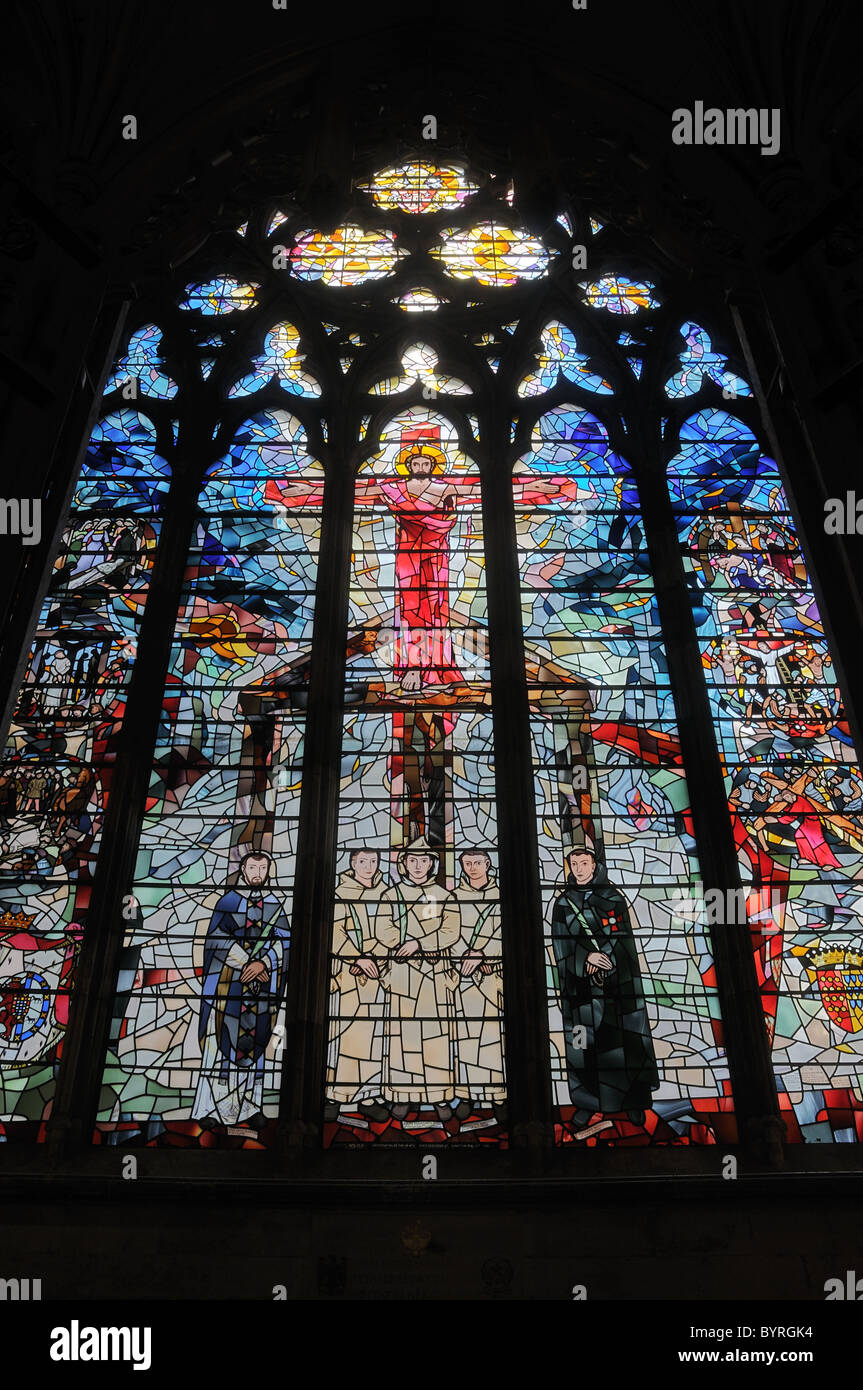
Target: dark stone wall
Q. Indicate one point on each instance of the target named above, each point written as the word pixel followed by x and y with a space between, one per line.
pixel 471 1244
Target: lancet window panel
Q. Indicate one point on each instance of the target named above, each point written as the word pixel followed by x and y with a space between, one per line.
pixel 59 756
pixel 637 1051
pixel 194 1055
pixel 795 793
pixel 416 1012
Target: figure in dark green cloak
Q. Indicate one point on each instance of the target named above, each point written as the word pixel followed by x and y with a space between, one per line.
pixel 610 1062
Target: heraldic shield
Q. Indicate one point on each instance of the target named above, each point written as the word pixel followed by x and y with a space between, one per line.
pixel 838 972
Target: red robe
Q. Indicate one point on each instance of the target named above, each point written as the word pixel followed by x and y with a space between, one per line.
pixel 423 640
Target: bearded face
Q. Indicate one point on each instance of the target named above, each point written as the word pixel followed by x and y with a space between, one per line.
pixel 255 870
pixel 420 466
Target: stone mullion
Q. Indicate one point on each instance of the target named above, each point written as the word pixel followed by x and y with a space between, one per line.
pixel 526 1027
pixel 306 1026
pixel 85 1043
pixel 744 1032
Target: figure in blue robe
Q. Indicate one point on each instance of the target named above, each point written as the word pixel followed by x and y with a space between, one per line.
pixel 245 971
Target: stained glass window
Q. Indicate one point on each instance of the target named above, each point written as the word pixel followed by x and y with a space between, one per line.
pixel 636 1053
pixel 619 295
pixel 493 253
pixel 223 295
pixel 58 761
pixel 281 360
pixel 420 466
pixel 142 363
pixel 419 187
pixel 347 256
pixel 699 363
pixel 793 778
pixel 199 1008
pixel 559 354
pixel 419 365
pixel 419 301
pixel 416 1033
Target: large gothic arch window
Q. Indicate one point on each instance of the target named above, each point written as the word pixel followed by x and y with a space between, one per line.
pixel 409 513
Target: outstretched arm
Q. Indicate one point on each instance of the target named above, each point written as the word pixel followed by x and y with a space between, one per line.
pixel 536 492
pixel 294 492
pixel 466 492
pixel 366 492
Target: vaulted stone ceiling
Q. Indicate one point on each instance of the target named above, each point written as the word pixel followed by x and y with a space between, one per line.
pixel 228 94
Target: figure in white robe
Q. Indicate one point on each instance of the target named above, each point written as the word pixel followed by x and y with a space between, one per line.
pixel 418 923
pixel 479 999
pixel 356 994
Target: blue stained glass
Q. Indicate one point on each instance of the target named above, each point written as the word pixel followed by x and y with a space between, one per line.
pixel 142 362
pixel 121 467
pixel 223 295
pixel 281 358
pixel 720 462
pixel 559 356
pixel 620 295
pixel 699 362
pixel 567 438
pixel 269 444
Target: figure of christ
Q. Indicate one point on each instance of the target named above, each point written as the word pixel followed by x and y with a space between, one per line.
pixel 418 923
pixel 479 1073
pixel 245 971
pixel 356 996
pixel 424 503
